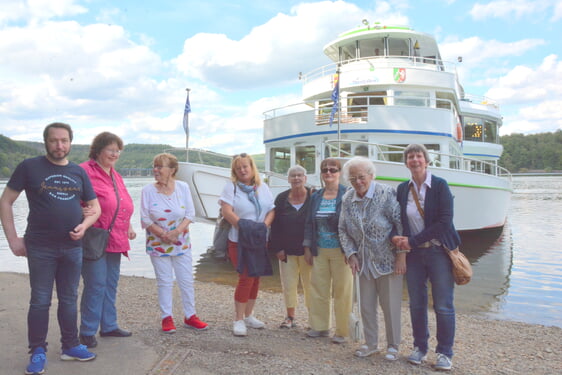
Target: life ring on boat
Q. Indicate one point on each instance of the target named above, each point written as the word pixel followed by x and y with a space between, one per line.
pixel 459 132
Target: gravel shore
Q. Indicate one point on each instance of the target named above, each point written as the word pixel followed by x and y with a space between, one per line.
pixel 481 346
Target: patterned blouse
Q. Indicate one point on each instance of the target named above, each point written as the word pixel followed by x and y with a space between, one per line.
pixel 365 225
pixel 166 211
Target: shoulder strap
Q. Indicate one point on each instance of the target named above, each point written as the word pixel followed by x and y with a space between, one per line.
pixel 118 203
pixel 416 199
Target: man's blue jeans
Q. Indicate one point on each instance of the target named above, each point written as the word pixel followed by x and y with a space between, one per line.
pixel 431 264
pixel 48 266
pixel 97 307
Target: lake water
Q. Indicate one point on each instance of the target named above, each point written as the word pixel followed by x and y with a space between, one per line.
pixel 517 271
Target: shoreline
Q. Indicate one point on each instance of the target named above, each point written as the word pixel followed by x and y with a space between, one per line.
pixel 482 346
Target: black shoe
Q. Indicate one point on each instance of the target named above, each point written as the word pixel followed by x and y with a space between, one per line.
pixel 89 341
pixel 116 333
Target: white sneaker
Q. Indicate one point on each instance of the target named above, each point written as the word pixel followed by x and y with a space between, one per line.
pixel 239 328
pixel 391 354
pixel 252 322
pixel 443 362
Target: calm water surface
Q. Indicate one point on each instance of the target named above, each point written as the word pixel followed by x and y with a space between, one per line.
pixel 517 271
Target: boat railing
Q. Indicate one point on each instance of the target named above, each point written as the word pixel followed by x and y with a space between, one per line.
pixel 393 153
pixel 480 99
pixel 358 113
pixel 427 63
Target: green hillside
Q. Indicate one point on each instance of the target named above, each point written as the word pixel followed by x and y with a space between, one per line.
pixel 522 153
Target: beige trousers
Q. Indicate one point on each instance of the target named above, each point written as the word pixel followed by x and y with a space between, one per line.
pixel 291 272
pixel 386 291
pixel 330 277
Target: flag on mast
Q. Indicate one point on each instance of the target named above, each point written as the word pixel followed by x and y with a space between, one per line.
pixel 335 97
pixel 186 115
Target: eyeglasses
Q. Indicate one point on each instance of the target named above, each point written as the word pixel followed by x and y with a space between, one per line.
pixel 331 170
pixel 112 152
pixel 299 175
pixel 242 155
pixel 357 178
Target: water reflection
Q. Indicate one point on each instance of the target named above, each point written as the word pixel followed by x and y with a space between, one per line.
pixel 489 252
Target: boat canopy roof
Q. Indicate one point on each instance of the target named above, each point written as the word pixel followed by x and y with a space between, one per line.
pixel 379 40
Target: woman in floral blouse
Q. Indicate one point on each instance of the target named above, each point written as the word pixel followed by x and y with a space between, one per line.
pixel 166 212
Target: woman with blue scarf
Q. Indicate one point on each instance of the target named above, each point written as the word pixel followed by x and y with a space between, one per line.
pixel 247 204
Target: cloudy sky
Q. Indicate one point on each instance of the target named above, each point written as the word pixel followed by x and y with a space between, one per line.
pixel 123 66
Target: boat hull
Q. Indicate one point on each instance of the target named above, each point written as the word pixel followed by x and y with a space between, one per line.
pixel 480 201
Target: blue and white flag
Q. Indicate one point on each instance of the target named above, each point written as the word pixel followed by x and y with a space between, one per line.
pixel 186 115
pixel 335 97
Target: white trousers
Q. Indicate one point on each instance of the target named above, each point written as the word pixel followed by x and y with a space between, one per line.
pixel 165 268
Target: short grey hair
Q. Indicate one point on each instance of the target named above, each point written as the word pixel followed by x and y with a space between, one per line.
pixel 359 162
pixel 413 148
pixel 296 168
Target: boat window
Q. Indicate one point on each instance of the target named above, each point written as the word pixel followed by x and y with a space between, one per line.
pixel 378 98
pixel 443 100
pixel 415 98
pixel 357 106
pixel 331 150
pixel 361 150
pixel 398 47
pixel 306 157
pixel 371 47
pixel 280 159
pixel 490 131
pixel 390 153
pixel 473 128
pixel 348 52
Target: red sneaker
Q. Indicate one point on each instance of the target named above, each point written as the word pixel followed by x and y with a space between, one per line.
pixel 168 325
pixel 195 323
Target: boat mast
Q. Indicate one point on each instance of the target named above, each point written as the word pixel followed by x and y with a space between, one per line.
pixel 186 124
pixel 339 107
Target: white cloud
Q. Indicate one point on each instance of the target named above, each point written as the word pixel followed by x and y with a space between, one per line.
pixel 524 84
pixel 268 54
pixel 534 96
pixel 37 10
pixel 510 9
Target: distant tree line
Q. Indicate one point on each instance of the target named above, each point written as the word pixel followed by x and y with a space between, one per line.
pixel 522 153
pixel 533 152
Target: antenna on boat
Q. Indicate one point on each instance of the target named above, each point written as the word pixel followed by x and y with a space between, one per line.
pixel 186 124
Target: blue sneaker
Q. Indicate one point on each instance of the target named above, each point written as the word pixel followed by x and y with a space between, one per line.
pixel 37 362
pixel 78 353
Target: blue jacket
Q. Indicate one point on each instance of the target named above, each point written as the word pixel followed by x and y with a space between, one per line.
pixel 438 214
pixel 252 249
pixel 310 230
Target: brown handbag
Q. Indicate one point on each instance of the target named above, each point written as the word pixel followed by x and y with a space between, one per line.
pixel 462 270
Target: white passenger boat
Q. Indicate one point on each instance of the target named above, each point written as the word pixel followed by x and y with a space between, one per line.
pixel 394 89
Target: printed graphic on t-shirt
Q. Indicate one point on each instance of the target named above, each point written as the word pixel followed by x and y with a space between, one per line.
pixel 60 187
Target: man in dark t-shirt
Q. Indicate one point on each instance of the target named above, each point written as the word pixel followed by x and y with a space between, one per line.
pixel 52 243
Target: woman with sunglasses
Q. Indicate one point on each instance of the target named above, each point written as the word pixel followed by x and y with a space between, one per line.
pixel 330 275
pixel 247 204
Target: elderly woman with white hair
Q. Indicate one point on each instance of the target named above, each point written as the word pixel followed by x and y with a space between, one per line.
pixel 370 215
pixel 287 235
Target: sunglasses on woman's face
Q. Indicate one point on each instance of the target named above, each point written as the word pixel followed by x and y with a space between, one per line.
pixel 331 170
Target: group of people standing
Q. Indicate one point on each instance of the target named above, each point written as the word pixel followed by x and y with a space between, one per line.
pixel 322 239
pixel 66 199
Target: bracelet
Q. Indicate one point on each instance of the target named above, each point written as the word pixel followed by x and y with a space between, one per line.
pixel 402 251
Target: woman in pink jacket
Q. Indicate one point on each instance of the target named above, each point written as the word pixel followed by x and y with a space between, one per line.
pixel 101 276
